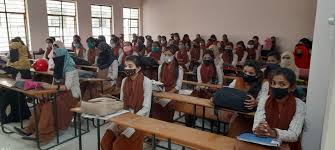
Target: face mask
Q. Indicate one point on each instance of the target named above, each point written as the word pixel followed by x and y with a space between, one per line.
pixel 90 45
pixel 129 72
pixel 228 50
pixel 113 45
pixel 76 45
pixel 272 67
pixel 250 46
pixel 163 42
pixel 279 93
pixel 248 78
pixel 207 62
pixel 169 59
pixel 154 49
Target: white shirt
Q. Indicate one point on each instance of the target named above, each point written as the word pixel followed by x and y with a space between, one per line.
pixel 72 83
pixel 244 58
pixel 293 132
pixel 220 75
pixel 145 111
pixel 179 79
pixel 113 72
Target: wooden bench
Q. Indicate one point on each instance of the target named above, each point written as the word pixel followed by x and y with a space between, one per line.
pixel 188 137
pixel 90 68
pixel 212 86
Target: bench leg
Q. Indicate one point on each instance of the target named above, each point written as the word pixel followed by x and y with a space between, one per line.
pixel 56 117
pixel 80 140
pixel 203 118
pixel 194 114
pixel 36 125
pixel 154 142
pixel 98 132
pixel 169 144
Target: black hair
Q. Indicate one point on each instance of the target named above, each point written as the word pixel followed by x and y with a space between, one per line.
pixel 77 37
pixel 164 37
pixel 53 38
pixel 90 39
pixel 135 59
pixel 256 86
pixel 14 40
pixel 255 37
pixel 173 48
pixel 20 40
pixel 242 44
pixel 251 42
pixel 275 54
pixel 288 74
pixel 116 40
pixel 156 42
pixel 50 40
pixel 213 37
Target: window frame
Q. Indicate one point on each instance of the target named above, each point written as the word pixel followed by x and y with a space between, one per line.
pixel 5 12
pixel 130 19
pixel 100 20
pixel 62 16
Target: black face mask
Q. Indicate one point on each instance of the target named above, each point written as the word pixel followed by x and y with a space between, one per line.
pixel 248 78
pixel 272 66
pixel 279 93
pixel 207 62
pixel 129 72
pixel 59 67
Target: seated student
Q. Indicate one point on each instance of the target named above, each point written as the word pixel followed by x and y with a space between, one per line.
pixel 273 61
pixel 196 55
pixel 281 115
pixel 171 74
pixel 65 101
pixel 175 39
pixel 225 40
pixel 48 48
pixel 228 57
pixel 136 91
pixel 183 56
pixel 252 83
pixel 257 45
pixel 252 51
pixel 241 52
pixel 163 42
pixel 155 52
pixel 92 53
pixel 127 51
pixel 76 38
pixel 202 45
pixel 148 47
pixel 186 40
pixel 18 60
pixel 116 47
pixel 207 72
pixel 274 43
pixel 212 41
pixel 79 49
pixel 198 38
pixel 20 40
pixel 266 48
pixel 287 61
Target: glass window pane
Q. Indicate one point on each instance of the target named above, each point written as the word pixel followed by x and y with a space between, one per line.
pixel 95 22
pixel 16 25
pixel 126 23
pixel 134 23
pixel 106 12
pixel 134 30
pixel 95 11
pixel 3 29
pixel 126 12
pixel 68 8
pixel 54 7
pixel 15 6
pixel 134 13
pixel 2 5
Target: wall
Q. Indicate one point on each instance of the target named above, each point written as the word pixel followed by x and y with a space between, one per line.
pixel 320 99
pixel 38 19
pixel 240 19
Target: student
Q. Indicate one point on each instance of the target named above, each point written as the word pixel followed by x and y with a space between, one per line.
pixel 196 55
pixel 76 38
pixel 116 47
pixel 241 52
pixel 18 62
pixel 106 62
pixel 281 115
pixel 186 40
pixel 183 56
pixel 207 71
pixel 176 39
pixel 252 51
pixel 302 56
pixel 257 44
pixel 79 49
pixel 48 48
pixel 287 61
pixel 163 42
pixel 252 83
pixel 274 43
pixel 273 58
pixel 171 74
pixel 148 46
pixel 228 57
pixel 211 41
pixel 224 41
pixel 266 48
pixel 202 45
pixel 65 101
pixel 20 40
pixel 198 38
pixel 155 52
pixel 127 51
pixel 136 91
pixel 91 52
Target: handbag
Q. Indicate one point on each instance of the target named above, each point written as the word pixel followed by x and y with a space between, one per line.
pixel 102 106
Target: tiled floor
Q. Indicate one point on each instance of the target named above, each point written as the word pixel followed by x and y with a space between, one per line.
pixel 14 141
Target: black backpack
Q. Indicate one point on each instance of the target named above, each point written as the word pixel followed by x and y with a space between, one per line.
pixel 230 98
pixel 80 61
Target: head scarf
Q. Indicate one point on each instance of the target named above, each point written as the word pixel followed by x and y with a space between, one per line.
pixel 105 58
pixel 289 63
pixel 102 38
pixel 69 64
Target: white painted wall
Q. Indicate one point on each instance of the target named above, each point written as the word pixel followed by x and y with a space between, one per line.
pixel 38 19
pixel 240 19
pixel 321 83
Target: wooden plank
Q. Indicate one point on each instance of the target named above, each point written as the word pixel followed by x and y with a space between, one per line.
pixel 213 86
pixel 49 73
pixel 185 136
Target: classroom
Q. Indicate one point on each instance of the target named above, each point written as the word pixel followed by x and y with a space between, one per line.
pixel 167 74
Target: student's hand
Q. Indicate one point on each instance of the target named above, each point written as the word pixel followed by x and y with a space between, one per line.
pixel 250 103
pixel 156 100
pixel 121 128
pixel 264 130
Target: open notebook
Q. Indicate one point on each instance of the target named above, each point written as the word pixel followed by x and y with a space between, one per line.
pixel 252 138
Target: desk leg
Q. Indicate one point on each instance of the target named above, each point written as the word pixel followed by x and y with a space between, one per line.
pixel 1 117
pixel 87 123
pixel 154 142
pixel 36 124
pixel 169 144
pixel 98 132
pixel 75 124
pixel 80 140
pixel 194 114
pixel 54 103
pixel 20 111
pixel 203 117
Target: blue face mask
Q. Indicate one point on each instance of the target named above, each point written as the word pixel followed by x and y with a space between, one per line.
pixel 154 49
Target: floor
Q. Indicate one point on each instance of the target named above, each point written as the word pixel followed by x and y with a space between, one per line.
pixel 14 141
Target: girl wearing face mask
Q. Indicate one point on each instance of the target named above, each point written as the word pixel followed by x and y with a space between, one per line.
pixel 252 51
pixel 163 42
pixel 195 53
pixel 48 48
pixel 155 52
pixel 207 71
pixel 116 47
pixel 287 61
pixel 127 51
pixel 252 83
pixel 241 52
pixel 281 115
pixel 171 74
pixel 228 61
pixel 136 91
pixel 225 39
pixel 76 39
pixel 65 100
pixel 183 56
pixel 186 40
pixel 91 52
pixel 78 48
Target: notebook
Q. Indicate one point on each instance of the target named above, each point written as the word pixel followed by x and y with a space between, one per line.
pixel 252 138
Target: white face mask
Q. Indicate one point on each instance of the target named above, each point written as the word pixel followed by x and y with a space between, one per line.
pixel 169 59
pixel 113 45
pixel 250 46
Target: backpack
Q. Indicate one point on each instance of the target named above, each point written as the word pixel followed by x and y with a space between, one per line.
pixel 80 61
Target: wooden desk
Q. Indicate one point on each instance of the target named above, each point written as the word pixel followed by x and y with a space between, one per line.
pixel 182 135
pixel 49 73
pixel 94 68
pixel 212 86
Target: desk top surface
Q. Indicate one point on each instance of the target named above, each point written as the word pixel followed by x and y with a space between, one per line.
pixel 177 133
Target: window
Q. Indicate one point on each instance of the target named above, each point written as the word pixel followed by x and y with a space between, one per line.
pixel 101 21
pixel 130 22
pixel 62 20
pixel 12 22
